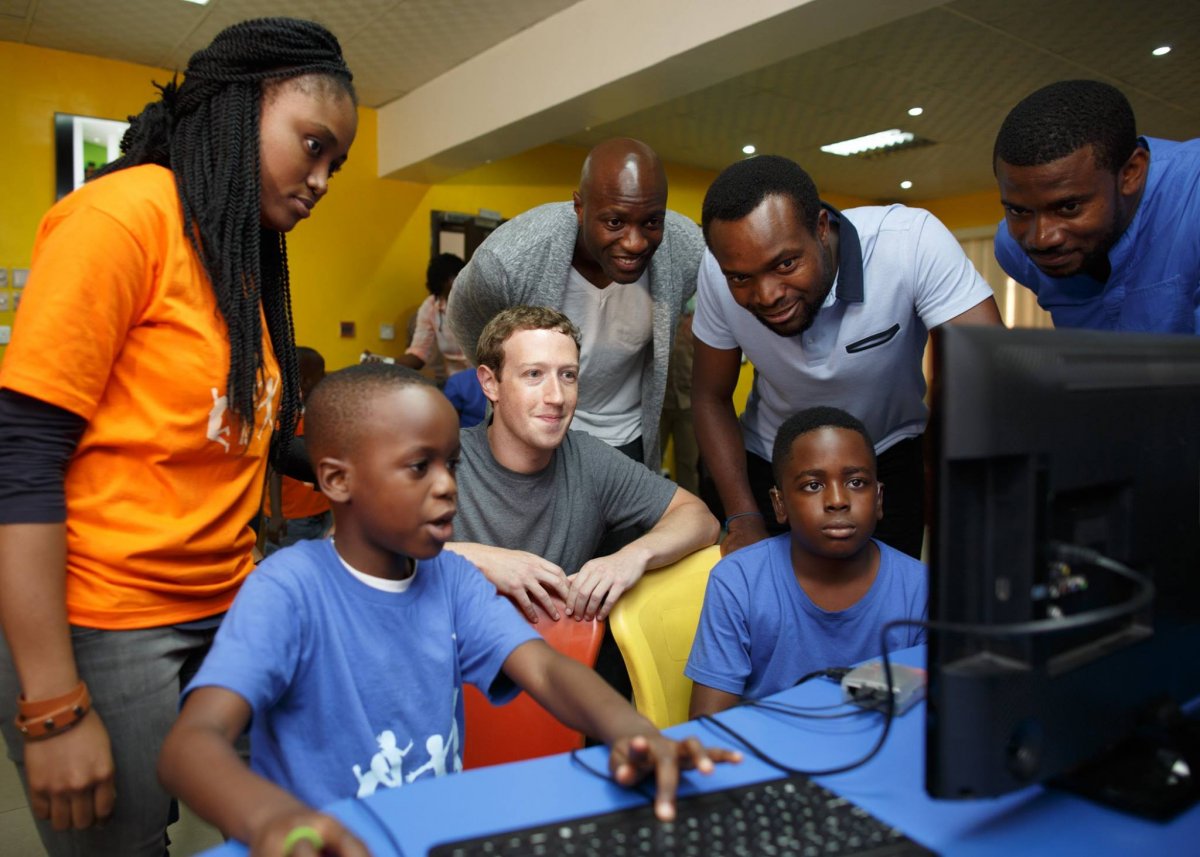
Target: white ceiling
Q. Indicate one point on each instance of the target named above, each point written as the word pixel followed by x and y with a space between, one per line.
pixel 965 62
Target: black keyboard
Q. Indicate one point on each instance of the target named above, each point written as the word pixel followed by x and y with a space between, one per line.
pixel 791 816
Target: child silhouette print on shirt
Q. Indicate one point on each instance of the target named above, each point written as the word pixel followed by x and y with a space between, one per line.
pixel 386 766
pixel 440 749
pixel 385 769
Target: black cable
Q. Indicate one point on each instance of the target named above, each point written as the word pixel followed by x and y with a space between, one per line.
pixel 762 756
pixel 1073 553
pixel 638 786
pixel 1142 598
pixel 802 712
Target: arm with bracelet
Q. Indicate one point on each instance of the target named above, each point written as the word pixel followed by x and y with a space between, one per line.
pixel 67 757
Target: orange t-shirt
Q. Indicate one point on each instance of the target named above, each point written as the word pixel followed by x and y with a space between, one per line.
pixel 298 499
pixel 119 325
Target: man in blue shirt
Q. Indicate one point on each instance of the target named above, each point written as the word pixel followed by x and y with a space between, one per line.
pixel 1101 224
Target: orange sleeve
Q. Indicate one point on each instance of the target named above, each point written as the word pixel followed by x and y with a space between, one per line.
pixel 87 286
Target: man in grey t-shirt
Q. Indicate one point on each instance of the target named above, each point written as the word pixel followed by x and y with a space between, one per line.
pixel 534 499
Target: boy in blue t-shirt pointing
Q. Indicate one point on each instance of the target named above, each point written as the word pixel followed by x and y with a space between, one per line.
pixel 815 597
pixel 346 657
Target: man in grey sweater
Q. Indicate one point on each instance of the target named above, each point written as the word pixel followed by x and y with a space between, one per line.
pixel 535 500
pixel 619 265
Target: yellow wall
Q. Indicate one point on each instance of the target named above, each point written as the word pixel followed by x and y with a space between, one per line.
pixel 965 212
pixel 362 256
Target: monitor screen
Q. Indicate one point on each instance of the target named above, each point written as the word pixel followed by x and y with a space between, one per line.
pixel 1048 437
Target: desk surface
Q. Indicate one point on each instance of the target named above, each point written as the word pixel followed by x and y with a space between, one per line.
pixel 410 820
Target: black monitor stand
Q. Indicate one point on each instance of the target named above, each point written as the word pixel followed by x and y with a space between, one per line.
pixel 1154 773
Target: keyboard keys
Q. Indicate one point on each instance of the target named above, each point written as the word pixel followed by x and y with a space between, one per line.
pixel 792 816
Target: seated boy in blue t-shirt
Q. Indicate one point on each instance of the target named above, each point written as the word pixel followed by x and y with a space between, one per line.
pixel 815 597
pixel 346 657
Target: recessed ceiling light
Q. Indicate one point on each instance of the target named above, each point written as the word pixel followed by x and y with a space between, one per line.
pixel 906 184
pixel 1164 50
pixel 878 140
pixel 915 111
pixel 749 149
pixel 198 2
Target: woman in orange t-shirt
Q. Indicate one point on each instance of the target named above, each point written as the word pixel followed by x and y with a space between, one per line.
pixel 152 358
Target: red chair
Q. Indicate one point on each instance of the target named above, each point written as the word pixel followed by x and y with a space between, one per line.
pixel 522 729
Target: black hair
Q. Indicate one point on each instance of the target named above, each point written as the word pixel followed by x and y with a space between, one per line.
pixel 442 267
pixel 1062 118
pixel 338 404
pixel 742 186
pixel 303 352
pixel 809 420
pixel 206 131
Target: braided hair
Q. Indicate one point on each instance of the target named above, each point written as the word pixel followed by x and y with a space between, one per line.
pixel 206 131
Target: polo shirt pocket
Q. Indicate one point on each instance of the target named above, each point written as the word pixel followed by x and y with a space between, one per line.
pixel 874 340
pixel 1164 307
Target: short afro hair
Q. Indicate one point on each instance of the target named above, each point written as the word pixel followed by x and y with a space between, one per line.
pixel 442 267
pixel 741 187
pixel 1062 118
pixel 809 420
pixel 489 351
pixel 339 403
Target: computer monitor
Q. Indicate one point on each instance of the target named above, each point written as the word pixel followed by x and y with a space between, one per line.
pixel 1083 438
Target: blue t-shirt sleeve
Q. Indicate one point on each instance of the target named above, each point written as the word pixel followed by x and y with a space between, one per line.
pixel 720 656
pixel 256 651
pixel 488 629
pixel 908 584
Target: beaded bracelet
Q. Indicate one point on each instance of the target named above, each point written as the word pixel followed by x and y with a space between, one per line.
pixel 46 718
pixel 740 515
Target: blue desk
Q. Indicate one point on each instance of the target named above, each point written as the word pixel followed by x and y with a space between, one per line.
pixel 891 786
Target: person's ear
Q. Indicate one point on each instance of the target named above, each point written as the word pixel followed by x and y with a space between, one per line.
pixel 1132 175
pixel 577 200
pixel 490 382
pixel 878 501
pixel 334 476
pixel 822 235
pixel 777 504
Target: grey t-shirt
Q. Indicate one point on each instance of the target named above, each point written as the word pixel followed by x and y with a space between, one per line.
pixel 562 512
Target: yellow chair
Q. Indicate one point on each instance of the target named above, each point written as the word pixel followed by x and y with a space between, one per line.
pixel 654 625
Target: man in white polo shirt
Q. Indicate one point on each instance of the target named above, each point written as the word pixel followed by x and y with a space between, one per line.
pixel 832 308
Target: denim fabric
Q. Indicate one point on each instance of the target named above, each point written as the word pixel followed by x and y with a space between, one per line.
pixel 135 678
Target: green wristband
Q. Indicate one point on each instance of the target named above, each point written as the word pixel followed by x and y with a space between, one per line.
pixel 303 833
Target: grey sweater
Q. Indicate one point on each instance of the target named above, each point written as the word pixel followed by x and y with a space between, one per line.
pixel 527 262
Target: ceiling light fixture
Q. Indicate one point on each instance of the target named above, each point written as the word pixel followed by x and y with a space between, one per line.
pixel 1163 51
pixel 906 184
pixel 915 111
pixel 197 2
pixel 870 142
pixel 749 149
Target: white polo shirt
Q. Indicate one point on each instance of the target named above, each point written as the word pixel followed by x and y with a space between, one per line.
pixel 900 273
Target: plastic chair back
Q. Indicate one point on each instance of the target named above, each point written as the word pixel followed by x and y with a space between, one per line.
pixel 522 729
pixel 654 625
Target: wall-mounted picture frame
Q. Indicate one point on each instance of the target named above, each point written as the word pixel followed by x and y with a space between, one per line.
pixel 83 144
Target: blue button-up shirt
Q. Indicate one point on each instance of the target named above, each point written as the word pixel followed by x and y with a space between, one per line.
pixel 1155 281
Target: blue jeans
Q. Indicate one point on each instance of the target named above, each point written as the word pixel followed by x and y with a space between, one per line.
pixel 135 678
